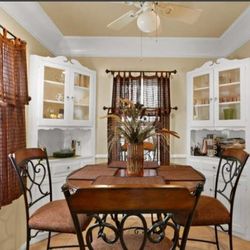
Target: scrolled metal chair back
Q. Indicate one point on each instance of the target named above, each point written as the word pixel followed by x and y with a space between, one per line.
pixel 230 167
pixel 100 201
pixel 33 171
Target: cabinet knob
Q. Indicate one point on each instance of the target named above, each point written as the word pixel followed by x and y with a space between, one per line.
pixel 215 99
pixel 214 167
pixel 72 97
pixel 67 97
pixel 68 167
pixel 210 189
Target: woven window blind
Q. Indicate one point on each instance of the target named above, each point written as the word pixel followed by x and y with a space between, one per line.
pixel 13 97
pixel 153 91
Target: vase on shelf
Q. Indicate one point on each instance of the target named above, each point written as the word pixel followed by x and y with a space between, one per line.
pixel 135 159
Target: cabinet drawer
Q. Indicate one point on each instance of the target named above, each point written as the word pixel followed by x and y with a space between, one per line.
pixel 204 164
pixel 64 168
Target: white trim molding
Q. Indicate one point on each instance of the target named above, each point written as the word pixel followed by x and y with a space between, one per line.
pixel 34 19
pixel 173 156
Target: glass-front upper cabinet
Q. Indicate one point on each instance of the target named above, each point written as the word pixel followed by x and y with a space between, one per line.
pixel 201 97
pixel 81 97
pixel 200 84
pixel 230 95
pixel 216 93
pixel 62 92
pixel 53 105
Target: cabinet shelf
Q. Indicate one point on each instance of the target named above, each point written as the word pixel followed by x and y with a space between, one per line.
pixel 229 103
pixel 200 105
pixel 201 88
pixel 228 84
pixel 54 82
pixel 53 101
pixel 81 88
pixel 81 105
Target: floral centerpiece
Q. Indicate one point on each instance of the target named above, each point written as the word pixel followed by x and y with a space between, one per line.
pixel 132 125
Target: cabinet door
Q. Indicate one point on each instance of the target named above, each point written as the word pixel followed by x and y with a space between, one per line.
pixel 200 98
pixel 210 180
pixel 57 183
pixel 52 95
pixel 229 95
pixel 81 95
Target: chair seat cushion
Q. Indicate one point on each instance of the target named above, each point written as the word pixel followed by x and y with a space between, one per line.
pixel 55 217
pixel 209 211
pixel 133 242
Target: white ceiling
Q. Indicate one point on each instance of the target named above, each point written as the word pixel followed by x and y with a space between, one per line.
pixel 79 29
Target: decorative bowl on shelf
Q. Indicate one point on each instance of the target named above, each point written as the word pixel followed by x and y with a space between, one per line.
pixel 64 153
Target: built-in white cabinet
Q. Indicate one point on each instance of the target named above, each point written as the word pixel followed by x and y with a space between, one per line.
pixel 65 91
pixel 62 114
pixel 217 105
pixel 216 93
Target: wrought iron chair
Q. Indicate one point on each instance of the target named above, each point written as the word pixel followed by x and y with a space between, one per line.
pixel 211 211
pixel 32 168
pixel 99 201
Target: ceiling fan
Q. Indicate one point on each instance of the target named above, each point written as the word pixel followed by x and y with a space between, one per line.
pixel 147 15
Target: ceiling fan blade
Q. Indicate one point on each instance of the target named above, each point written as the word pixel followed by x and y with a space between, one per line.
pixel 123 20
pixel 179 12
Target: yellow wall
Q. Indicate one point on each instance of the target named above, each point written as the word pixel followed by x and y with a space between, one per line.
pixel 242 52
pixel 178 91
pixel 12 217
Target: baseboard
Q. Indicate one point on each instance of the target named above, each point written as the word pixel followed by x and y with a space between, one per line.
pixel 178 156
pixel 173 156
pixel 41 236
pixel 101 156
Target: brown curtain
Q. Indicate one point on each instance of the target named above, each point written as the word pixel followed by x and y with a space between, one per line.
pixel 155 95
pixel 125 85
pixel 13 97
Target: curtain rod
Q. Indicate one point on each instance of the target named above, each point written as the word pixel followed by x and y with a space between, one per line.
pixel 8 31
pixel 175 108
pixel 143 71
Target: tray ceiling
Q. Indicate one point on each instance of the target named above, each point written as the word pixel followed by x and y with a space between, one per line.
pixel 79 29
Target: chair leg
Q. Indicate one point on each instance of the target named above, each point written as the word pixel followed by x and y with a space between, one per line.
pixel 28 239
pixel 216 237
pixel 230 236
pixel 48 242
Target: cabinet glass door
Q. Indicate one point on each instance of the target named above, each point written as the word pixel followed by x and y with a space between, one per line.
pixel 53 93
pixel 81 97
pixel 201 98
pixel 229 94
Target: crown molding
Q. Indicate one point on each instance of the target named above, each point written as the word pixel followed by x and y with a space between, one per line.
pixel 32 17
pixel 142 47
pixel 236 35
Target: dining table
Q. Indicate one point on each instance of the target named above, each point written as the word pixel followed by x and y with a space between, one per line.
pixel 115 173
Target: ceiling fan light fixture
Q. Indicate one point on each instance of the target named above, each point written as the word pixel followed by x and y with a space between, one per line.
pixel 148 21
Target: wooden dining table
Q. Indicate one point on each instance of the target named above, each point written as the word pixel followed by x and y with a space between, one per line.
pixel 115 173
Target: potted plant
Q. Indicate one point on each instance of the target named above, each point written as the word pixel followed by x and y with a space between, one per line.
pixel 130 124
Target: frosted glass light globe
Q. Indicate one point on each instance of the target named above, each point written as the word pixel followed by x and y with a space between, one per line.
pixel 148 21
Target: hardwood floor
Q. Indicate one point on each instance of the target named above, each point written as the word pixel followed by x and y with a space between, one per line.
pixel 202 232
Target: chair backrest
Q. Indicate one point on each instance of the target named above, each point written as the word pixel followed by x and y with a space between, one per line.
pixel 231 164
pixel 33 171
pixel 131 200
